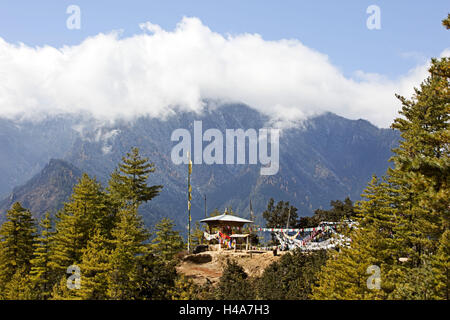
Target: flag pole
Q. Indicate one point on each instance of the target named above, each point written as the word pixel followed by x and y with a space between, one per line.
pixel 289 217
pixel 189 202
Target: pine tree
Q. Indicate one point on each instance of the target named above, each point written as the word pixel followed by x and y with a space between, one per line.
pixel 95 267
pixel 42 275
pixel 234 283
pixel 155 278
pixel 62 292
pixel 167 242
pixel 441 268
pixel 129 236
pixel 277 215
pixel 85 212
pixel 345 275
pixel 154 272
pixel 416 284
pixel 422 160
pixel 65 249
pixel 184 289
pixel 129 181
pixel 446 22
pixel 17 236
pixel 20 287
pixel 404 222
pixel 422 173
pixel 292 277
pixel 373 243
pixel 340 210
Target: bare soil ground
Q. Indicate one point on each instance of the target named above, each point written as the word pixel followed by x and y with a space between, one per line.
pixel 200 272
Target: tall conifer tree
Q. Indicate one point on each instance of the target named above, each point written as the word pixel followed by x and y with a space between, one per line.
pixel 167 242
pixel 129 238
pixel 85 212
pixel 41 273
pixel 129 181
pixel 17 236
pixel 404 222
pixel 95 267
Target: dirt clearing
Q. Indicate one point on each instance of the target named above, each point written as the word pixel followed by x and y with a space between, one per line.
pixel 200 271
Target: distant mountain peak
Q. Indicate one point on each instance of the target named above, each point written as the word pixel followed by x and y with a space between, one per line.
pixel 47 190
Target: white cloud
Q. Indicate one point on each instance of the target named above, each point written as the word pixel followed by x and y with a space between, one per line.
pixel 158 72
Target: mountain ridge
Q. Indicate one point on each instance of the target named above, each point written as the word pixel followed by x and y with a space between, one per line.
pixel 324 158
pixel 47 190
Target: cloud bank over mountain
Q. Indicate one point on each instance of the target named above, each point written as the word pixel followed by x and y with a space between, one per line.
pixel 159 72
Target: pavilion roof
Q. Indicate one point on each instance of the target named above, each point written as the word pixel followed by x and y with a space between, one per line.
pixel 225 218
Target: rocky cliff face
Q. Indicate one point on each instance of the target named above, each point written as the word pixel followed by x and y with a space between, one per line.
pixel 46 191
pixel 324 158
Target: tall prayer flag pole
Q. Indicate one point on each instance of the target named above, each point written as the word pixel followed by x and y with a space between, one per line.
pixel 206 214
pixel 189 201
pixel 289 218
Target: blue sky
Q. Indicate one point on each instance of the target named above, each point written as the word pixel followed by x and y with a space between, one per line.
pixel 411 30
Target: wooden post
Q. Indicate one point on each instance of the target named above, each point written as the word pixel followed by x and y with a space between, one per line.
pixel 246 245
pixel 206 215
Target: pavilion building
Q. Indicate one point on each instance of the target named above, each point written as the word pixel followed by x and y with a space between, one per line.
pixel 226 226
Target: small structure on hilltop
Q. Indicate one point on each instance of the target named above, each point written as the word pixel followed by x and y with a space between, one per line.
pixel 229 230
